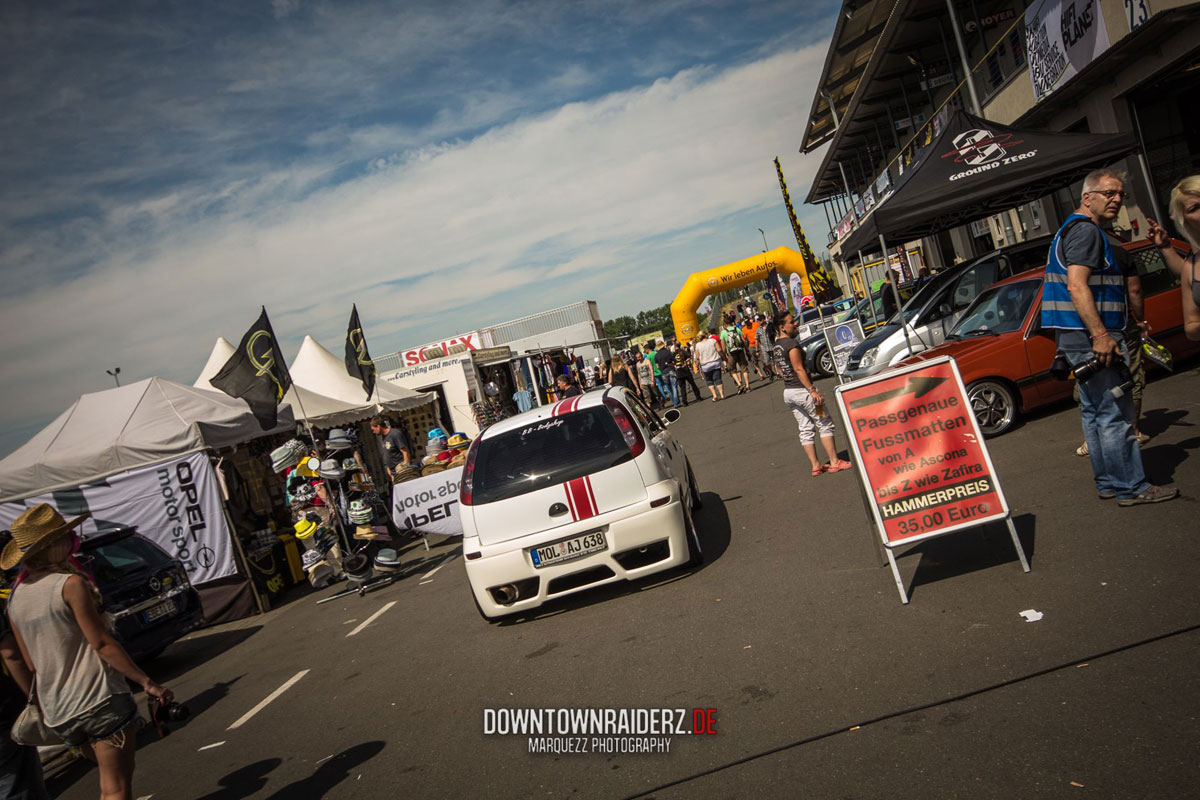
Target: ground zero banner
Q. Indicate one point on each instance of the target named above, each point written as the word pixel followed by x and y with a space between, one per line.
pixel 921 455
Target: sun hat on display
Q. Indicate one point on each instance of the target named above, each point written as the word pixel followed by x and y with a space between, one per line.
pixel 304 493
pixel 387 557
pixel 459 460
pixel 287 454
pixel 429 469
pixel 305 528
pixel 458 440
pixel 349 465
pixel 444 456
pixel 437 433
pixel 310 559
pixel 339 439
pixel 435 446
pixel 34 530
pixel 331 469
pixel 360 512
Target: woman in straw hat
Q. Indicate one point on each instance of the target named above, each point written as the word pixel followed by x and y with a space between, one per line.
pixel 79 668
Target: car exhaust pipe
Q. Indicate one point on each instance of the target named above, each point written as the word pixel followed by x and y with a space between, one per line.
pixel 505 594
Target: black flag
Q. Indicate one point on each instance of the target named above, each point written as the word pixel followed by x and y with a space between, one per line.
pixel 257 373
pixel 777 296
pixel 358 360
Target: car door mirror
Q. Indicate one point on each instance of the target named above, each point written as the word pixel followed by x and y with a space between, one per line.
pixel 671 415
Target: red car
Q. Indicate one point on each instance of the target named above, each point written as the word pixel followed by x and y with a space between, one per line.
pixel 1004 355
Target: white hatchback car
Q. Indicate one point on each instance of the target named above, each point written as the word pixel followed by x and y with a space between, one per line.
pixel 586 491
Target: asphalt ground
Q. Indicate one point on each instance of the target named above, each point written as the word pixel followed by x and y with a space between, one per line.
pixel 823 683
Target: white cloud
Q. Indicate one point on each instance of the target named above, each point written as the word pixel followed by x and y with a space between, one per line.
pixel 578 201
pixel 283 8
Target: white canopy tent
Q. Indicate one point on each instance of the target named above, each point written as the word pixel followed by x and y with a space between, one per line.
pixel 113 431
pixel 321 371
pixel 321 410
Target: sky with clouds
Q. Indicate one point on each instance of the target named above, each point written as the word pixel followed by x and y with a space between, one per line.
pixel 168 167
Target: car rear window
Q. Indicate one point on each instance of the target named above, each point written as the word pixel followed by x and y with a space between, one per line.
pixel 546 453
pixel 115 560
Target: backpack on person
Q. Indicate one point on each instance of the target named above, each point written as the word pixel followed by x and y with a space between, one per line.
pixel 734 338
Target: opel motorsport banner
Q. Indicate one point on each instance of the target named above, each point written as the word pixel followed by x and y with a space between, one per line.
pixel 176 505
pixel 920 452
pixel 429 504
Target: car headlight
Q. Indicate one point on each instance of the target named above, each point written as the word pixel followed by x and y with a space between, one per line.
pixel 868 358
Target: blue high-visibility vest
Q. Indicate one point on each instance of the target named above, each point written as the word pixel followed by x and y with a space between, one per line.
pixel 1106 282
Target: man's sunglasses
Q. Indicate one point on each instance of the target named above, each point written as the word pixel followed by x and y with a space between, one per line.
pixel 1110 193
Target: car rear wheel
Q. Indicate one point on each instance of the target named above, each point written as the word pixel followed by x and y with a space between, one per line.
pixel 825 363
pixel 994 406
pixel 695 554
pixel 693 489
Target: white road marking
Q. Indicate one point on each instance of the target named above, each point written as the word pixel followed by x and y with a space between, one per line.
pixel 211 746
pixel 435 569
pixel 272 696
pixel 371 619
pixel 422 583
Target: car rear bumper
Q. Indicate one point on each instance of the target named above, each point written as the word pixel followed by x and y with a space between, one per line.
pixel 640 540
pixel 140 637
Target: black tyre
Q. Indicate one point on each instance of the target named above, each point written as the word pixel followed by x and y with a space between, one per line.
pixel 994 406
pixel 825 363
pixel 695 554
pixel 693 489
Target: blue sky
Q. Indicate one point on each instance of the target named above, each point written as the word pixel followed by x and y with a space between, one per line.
pixel 167 167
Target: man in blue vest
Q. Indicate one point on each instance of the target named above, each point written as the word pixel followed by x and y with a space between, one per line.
pixel 1084 300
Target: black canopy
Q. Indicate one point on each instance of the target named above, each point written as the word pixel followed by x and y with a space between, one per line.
pixel 974 168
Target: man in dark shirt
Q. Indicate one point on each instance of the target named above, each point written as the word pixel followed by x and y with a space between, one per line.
pixel 683 372
pixel 889 295
pixel 396 447
pixel 668 383
pixel 566 388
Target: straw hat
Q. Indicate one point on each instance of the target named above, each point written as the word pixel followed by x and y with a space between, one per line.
pixel 33 530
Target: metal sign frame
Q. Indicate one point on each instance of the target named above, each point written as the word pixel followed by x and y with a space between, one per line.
pixel 1004 512
pixel 829 332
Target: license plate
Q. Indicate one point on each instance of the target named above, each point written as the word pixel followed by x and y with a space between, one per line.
pixel 569 549
pixel 161 610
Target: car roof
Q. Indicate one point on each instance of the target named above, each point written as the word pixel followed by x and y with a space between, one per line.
pixel 577 403
pixel 1027 275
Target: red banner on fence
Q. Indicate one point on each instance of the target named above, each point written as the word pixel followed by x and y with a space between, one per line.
pixel 920 452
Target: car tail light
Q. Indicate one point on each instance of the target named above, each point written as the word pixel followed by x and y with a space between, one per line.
pixel 629 429
pixel 468 476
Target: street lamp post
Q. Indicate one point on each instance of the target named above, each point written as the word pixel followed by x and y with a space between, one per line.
pixel 765 248
pixel 116 373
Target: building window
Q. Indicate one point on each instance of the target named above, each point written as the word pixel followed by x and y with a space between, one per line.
pixel 995 74
pixel 1016 41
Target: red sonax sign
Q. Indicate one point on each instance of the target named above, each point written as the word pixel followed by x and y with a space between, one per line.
pixel 920 452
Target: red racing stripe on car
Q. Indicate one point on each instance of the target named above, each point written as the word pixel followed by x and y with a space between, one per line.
pixel 566 406
pixel 582 505
pixel 587 480
pixel 570 502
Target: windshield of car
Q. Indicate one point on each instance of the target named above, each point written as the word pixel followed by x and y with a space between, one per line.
pixel 114 560
pixel 999 309
pixel 546 453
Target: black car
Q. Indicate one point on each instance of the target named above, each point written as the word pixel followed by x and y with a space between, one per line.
pixel 146 592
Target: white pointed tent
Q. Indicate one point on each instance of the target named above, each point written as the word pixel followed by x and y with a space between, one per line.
pixel 319 409
pixel 321 371
pixel 118 429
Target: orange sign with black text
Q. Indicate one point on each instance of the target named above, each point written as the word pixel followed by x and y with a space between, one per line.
pixel 920 452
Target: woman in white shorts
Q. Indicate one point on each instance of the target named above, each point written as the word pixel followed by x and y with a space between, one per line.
pixel 806 403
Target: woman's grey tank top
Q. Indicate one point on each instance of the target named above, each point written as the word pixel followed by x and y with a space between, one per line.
pixel 71 676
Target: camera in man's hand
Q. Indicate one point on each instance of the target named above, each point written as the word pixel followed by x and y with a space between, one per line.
pixel 1088 369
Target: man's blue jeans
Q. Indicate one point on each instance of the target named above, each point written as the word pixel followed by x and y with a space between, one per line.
pixel 668 386
pixel 1107 422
